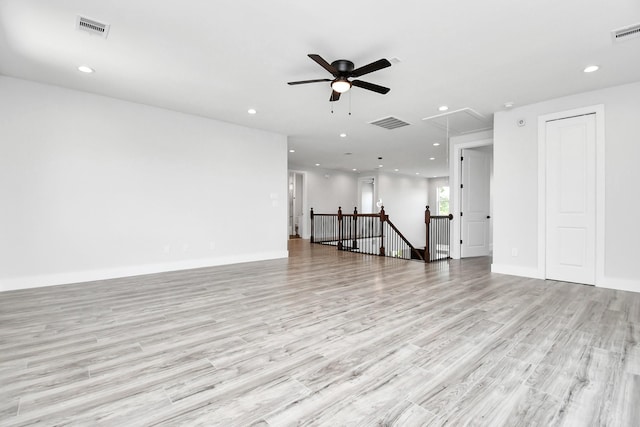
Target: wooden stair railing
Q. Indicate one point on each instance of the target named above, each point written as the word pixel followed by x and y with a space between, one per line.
pixel 438 241
pixel 372 234
pixel 375 234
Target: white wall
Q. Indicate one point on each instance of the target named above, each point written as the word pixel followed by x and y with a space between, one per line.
pixel 516 184
pixel 94 187
pixel 325 191
pixel 405 199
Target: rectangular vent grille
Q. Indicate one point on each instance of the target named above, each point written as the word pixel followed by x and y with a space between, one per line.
pixel 91 26
pixel 626 33
pixel 389 123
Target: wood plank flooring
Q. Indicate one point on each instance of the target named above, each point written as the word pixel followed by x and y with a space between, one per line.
pixel 323 338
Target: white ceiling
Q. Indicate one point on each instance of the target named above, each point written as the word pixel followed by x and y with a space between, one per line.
pixel 219 58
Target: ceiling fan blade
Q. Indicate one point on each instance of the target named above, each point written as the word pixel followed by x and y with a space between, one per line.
pixel 324 64
pixel 301 82
pixel 370 68
pixel 334 96
pixel 370 86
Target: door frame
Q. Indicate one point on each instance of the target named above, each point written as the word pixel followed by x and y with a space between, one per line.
pixel 455 179
pixel 598 110
pixel 305 225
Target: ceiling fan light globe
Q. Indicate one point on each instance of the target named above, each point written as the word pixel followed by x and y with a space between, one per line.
pixel 341 85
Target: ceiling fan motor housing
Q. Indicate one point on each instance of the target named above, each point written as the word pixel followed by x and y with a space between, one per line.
pixel 343 66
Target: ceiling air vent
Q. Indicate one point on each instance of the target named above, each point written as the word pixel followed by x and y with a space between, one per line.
pixel 626 33
pixel 91 26
pixel 389 123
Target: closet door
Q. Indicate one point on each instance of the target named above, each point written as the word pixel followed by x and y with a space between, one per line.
pixel 571 199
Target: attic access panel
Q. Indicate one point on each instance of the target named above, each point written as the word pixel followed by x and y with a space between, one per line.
pixel 460 122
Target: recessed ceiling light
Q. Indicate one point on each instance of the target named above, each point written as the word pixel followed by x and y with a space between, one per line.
pixel 435 144
pixel 435 176
pixel 396 170
pixel 292 151
pixel 343 135
pixel 443 108
pixel 591 68
pixel 354 169
pixel 379 166
pixel 417 173
pixel 508 104
pixel 317 164
pixel 85 69
pixel 251 111
pixel 432 158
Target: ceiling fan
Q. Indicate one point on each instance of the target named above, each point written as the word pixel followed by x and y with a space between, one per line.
pixel 342 70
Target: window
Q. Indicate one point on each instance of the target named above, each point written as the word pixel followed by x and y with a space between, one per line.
pixel 443 200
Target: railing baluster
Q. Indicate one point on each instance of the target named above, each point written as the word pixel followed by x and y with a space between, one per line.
pixel 354 223
pixel 382 220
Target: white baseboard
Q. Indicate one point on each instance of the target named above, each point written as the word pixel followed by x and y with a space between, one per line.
pixel 515 270
pixel 619 284
pixel 605 282
pixel 29 282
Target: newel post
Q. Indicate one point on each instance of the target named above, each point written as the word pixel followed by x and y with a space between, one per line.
pixel 340 230
pixel 383 218
pixel 427 222
pixel 354 230
pixel 312 227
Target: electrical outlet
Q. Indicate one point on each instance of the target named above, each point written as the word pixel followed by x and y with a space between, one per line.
pixel 514 251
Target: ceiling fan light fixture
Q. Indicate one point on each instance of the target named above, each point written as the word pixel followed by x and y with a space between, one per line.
pixel 341 85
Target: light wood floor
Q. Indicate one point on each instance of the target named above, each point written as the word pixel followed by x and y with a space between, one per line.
pixel 323 338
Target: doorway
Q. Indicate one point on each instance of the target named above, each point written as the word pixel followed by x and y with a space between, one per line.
pixel 296 204
pixel 366 195
pixel 482 141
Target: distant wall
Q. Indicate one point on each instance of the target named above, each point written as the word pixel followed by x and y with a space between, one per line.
pixel 325 191
pixel 405 199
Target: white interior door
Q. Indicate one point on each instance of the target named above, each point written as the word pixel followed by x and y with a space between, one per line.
pixel 571 199
pixel 474 221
